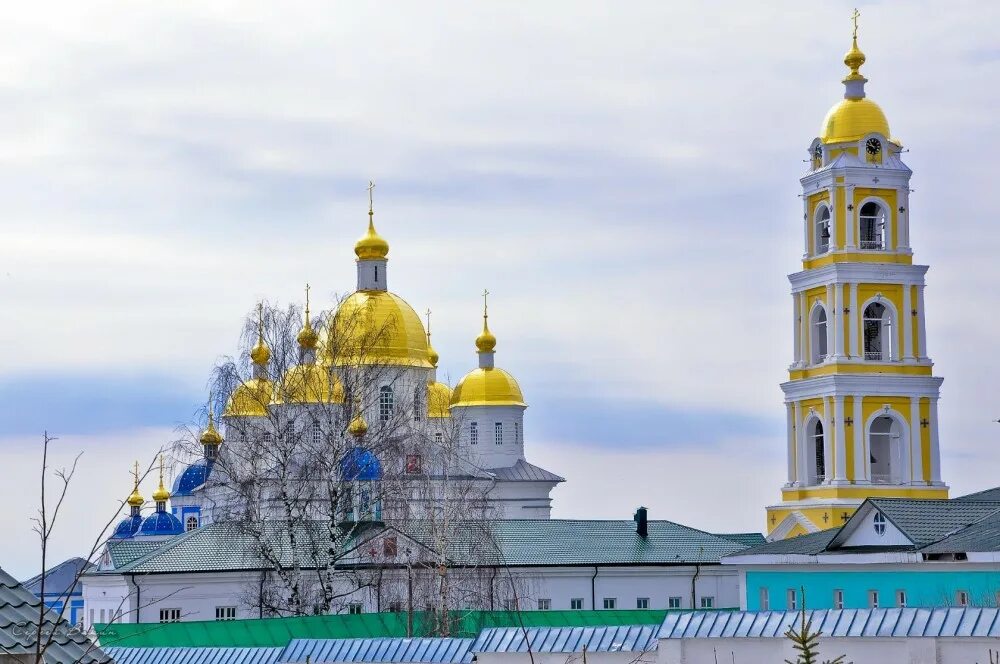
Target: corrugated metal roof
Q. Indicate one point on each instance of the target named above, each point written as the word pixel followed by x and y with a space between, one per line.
pixel 620 638
pixel 445 650
pixel 927 521
pixel 522 471
pixel 20 611
pixel 809 544
pixel 59 579
pixel 194 655
pixel 979 537
pixel 955 622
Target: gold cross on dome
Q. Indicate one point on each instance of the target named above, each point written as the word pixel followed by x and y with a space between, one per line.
pixel 428 315
pixel 371 188
pixel 854 19
pixel 135 473
pixel 485 294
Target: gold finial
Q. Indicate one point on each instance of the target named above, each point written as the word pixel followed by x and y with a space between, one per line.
pixel 854 58
pixel 428 315
pixel 135 499
pixel 432 355
pixel 854 18
pixel 371 246
pixel 211 435
pixel 260 353
pixel 358 427
pixel 161 494
pixel 307 335
pixel 371 198
pixel 486 342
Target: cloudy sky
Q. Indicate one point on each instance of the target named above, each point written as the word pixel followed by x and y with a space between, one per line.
pixel 622 176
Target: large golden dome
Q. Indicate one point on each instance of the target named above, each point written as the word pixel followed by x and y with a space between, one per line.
pixel 250 399
pixel 487 387
pixel 438 399
pixel 310 383
pixel 375 327
pixel 852 119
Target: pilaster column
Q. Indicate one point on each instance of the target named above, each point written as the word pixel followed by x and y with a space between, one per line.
pixel 861 460
pixel 906 323
pixel 850 225
pixel 827 442
pixel 921 327
pixel 806 223
pixel 935 465
pixel 805 352
pixel 834 219
pixel 800 445
pixel 831 326
pixel 903 218
pixel 838 317
pixel 916 443
pixel 840 467
pixel 796 330
pixel 790 416
pixel 853 320
pixel 905 462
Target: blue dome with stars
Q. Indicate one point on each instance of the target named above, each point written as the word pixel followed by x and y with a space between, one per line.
pixel 160 523
pixel 360 464
pixel 127 527
pixel 193 477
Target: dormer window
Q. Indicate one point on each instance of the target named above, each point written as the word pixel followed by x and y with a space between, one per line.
pixel 873 151
pixel 878 523
pixel 823 230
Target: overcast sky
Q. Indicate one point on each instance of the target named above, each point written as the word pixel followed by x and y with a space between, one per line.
pixel 623 177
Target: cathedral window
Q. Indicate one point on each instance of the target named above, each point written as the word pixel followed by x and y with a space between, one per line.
pixel 416 405
pixel 872 226
pixel 818 451
pixel 439 437
pixel 498 433
pixel 473 433
pixel 883 446
pixel 517 433
pixel 190 523
pixel 317 434
pixel 819 336
pixel 384 403
pixel 823 230
pixel 877 326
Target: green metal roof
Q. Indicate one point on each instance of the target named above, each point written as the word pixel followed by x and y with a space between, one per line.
pixel 927 521
pixel 274 632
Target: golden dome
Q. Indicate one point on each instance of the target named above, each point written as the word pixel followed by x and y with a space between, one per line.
pixel 211 435
pixel 486 342
pixel 250 399
pixel 487 387
pixel 432 355
pixel 161 494
pixel 438 398
pixel 371 245
pixel 307 337
pixel 358 427
pixel 375 327
pixel 260 354
pixel 310 383
pixel 851 119
pixel 135 499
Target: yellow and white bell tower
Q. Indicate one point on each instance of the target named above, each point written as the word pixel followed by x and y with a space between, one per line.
pixel 861 398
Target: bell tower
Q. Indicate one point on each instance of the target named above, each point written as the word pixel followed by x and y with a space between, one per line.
pixel 861 398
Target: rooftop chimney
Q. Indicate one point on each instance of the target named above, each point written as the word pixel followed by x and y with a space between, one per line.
pixel 640 522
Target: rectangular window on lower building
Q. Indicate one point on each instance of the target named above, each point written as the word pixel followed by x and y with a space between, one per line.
pixel 473 433
pixel 610 603
pixel 962 598
pixel 544 604
pixel 498 433
pixel 792 599
pixel 170 615
pixel 510 605
pixel 673 602
pixel 872 599
pixel 576 604
pixel 838 599
pixel 765 600
pixel 642 602
pixel 395 607
pixel 708 602
pixel 901 598
pixel 225 613
pixel 355 608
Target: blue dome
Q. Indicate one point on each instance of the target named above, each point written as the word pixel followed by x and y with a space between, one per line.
pixel 161 523
pixel 127 527
pixel 360 464
pixel 193 477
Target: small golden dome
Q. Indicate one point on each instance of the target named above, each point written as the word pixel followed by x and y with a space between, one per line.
pixel 438 399
pixel 371 246
pixel 161 494
pixel 358 427
pixel 307 337
pixel 854 58
pixel 260 354
pixel 432 355
pixel 310 383
pixel 211 435
pixel 486 342
pixel 487 387
pixel 250 399
pixel 375 327
pixel 851 119
pixel 135 499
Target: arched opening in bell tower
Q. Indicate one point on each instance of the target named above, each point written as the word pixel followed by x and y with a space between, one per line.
pixel 823 230
pixel 819 336
pixel 816 451
pixel 877 326
pixel 872 219
pixel 884 436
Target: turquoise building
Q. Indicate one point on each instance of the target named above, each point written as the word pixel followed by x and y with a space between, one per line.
pixel 893 552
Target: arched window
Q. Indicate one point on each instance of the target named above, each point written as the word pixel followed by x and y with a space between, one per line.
pixel 877 326
pixel 817 156
pixel 817 451
pixel 819 348
pixel 384 403
pixel 417 407
pixel 883 445
pixel 823 230
pixel 872 226
pixel 190 523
